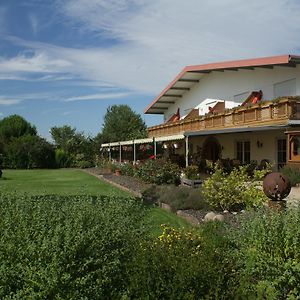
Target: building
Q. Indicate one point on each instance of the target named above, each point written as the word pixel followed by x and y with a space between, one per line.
pixel 247 110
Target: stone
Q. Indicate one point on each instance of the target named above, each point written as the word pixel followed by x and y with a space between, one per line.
pixel 166 207
pixel 191 219
pixel 209 216
pixel 219 218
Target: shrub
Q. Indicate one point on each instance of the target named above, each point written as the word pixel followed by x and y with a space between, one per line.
pixel 29 151
pixel 235 190
pixel 181 264
pixel 191 172
pixel 293 174
pixel 159 171
pixel 182 197
pixel 127 169
pixel 55 247
pixel 62 158
pixel 81 161
pixel 267 256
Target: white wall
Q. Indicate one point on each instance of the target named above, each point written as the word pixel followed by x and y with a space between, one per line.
pixel 225 85
pixel 228 141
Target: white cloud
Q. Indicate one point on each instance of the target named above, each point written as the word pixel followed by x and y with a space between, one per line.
pixel 36 62
pixel 34 23
pixel 7 101
pixel 156 39
pixel 97 97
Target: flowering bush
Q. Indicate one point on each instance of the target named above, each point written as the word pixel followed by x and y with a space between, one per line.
pixel 180 264
pixel 235 190
pixel 159 171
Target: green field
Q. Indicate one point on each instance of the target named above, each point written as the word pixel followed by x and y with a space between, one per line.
pixel 76 182
pixel 58 181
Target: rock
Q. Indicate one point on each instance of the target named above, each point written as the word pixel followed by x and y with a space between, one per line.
pixel 166 207
pixel 219 218
pixel 191 219
pixel 209 216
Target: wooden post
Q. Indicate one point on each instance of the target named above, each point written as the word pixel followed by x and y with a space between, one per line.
pixel 120 153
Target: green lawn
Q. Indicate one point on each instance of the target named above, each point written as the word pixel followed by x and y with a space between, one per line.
pixel 76 182
pixel 58 181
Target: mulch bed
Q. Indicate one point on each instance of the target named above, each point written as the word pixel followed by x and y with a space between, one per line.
pixel 131 183
pixel 137 186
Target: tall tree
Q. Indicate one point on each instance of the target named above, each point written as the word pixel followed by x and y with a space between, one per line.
pixel 63 136
pixel 15 126
pixel 121 123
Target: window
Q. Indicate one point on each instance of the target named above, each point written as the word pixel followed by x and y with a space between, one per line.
pixel 243 151
pixel 285 88
pixel 281 153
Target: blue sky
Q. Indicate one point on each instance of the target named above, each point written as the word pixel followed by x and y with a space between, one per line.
pixel 65 61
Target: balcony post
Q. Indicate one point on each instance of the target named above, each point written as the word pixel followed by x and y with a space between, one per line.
pixel 186 151
pixel 134 153
pixel 154 147
pixel 120 153
pixel 109 155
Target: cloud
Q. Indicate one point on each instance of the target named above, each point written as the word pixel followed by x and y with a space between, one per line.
pixel 34 23
pixel 154 40
pixel 36 62
pixel 66 113
pixel 97 97
pixel 7 101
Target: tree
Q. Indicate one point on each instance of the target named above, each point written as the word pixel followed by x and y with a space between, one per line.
pixel 15 126
pixel 72 148
pixel 121 123
pixel 29 151
pixel 63 137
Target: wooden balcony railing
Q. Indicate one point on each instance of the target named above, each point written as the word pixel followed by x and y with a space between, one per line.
pixel 275 112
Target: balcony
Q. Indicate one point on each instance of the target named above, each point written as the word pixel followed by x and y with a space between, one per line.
pixel 277 112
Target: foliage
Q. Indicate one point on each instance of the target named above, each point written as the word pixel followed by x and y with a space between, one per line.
pixel 121 124
pixel 293 174
pixel 74 149
pixel 235 190
pixel 159 171
pixel 66 247
pixel 15 126
pixel 62 158
pixel 127 169
pixel 181 264
pixel 63 137
pixel 267 256
pixel 29 151
pixel 80 161
pixel 182 197
pixel 178 197
pixel 192 172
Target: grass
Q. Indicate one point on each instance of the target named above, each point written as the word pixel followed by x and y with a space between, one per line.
pixel 56 182
pixel 76 182
pixel 157 217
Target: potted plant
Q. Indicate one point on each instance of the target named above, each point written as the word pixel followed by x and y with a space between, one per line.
pixel 191 177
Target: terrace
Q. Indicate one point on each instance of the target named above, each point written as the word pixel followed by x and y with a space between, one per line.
pixel 283 111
